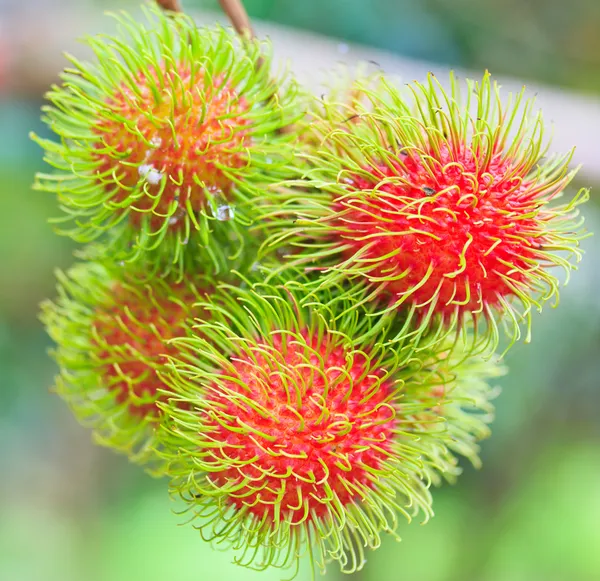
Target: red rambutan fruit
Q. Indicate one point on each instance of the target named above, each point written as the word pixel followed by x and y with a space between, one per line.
pixel 288 435
pixel 112 341
pixel 185 163
pixel 444 209
pixel 171 133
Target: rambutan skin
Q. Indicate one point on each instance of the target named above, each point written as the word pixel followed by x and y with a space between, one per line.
pixel 466 237
pixel 111 336
pixel 188 153
pixel 446 209
pixel 331 427
pixel 168 141
pixel 292 430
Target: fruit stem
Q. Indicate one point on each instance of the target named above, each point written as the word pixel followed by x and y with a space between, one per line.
pixel 234 9
pixel 238 17
pixel 172 5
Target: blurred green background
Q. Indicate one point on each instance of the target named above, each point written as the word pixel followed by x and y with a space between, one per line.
pixel 70 511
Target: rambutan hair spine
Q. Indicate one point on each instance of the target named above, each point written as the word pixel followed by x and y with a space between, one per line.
pixel 111 334
pixel 167 141
pixel 444 207
pixel 292 431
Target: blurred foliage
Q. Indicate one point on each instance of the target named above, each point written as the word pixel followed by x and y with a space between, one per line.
pixel 547 40
pixel 70 511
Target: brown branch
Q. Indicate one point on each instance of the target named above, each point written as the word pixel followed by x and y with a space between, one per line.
pixel 238 17
pixel 234 9
pixel 171 5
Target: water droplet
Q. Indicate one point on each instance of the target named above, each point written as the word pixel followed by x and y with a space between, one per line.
pixel 343 48
pixel 268 160
pixel 173 220
pixel 225 213
pixel 152 175
pixel 121 263
pixel 156 142
pixel 256 266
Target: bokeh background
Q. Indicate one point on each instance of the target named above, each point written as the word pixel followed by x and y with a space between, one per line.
pixel 70 511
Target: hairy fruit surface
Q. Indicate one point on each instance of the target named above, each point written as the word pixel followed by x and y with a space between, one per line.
pixel 448 210
pixel 182 163
pixel 167 142
pixel 112 342
pixel 288 435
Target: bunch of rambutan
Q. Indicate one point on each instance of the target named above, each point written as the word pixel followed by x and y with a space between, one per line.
pixel 289 306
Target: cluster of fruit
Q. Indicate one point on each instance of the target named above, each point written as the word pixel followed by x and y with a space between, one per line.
pixel 288 304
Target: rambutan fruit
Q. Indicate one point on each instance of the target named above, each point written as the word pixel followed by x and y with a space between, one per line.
pixel 292 432
pixel 167 140
pixel 111 337
pixel 442 208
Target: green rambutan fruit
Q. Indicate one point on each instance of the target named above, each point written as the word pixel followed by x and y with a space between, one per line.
pixel 112 339
pixel 446 209
pixel 292 431
pixel 167 140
